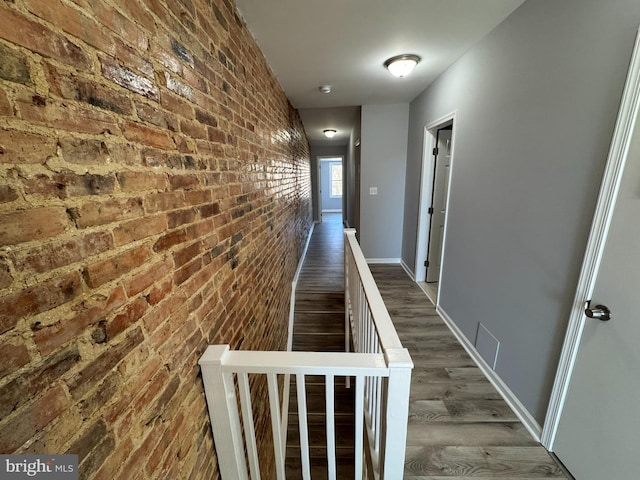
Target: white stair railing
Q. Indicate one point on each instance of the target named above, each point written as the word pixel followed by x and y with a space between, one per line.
pixel 369 329
pixel 379 365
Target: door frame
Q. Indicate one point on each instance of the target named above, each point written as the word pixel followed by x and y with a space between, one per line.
pixel 328 158
pixel 616 159
pixel 426 193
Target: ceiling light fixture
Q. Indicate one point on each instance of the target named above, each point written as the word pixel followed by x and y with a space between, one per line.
pixel 329 133
pixel 402 65
pixel 325 88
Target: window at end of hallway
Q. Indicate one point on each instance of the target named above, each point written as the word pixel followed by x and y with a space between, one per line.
pixel 336 180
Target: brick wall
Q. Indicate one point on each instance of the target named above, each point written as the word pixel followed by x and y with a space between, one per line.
pixel 154 198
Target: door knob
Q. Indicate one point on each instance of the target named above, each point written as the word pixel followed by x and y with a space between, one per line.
pixel 599 312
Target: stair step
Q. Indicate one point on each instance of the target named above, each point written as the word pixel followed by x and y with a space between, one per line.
pixel 319 301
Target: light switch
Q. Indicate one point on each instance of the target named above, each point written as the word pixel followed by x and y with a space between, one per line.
pixel 373 190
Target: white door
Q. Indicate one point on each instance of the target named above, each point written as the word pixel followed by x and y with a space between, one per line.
pixel 598 434
pixel 439 203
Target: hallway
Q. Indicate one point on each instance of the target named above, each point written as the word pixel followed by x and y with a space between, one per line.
pixel 459 426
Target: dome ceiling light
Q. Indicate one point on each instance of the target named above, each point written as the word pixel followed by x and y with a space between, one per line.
pixel 329 133
pixel 402 65
pixel 325 88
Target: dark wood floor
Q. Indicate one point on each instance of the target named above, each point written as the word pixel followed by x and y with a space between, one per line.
pixel 319 326
pixel 459 426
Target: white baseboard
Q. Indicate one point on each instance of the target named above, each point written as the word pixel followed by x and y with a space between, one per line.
pixel 372 261
pixel 294 285
pixel 521 412
pixel 408 270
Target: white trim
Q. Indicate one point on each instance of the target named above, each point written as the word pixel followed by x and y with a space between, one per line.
pixel 426 185
pixel 428 292
pixel 335 210
pixel 372 261
pixel 406 268
pixel 530 423
pixel 294 285
pixel 627 115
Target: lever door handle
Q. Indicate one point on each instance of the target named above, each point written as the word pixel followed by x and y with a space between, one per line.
pixel 599 312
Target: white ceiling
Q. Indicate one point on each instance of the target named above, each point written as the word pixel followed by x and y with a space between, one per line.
pixel 344 43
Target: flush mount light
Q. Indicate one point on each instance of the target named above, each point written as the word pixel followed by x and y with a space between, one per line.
pixel 329 133
pixel 402 65
pixel 325 88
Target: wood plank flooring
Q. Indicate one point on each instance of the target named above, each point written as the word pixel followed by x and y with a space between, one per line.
pixel 319 326
pixel 459 426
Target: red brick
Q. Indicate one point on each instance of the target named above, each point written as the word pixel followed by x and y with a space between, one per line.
pixel 135 11
pixel 144 280
pixel 83 151
pixel 206 118
pixel 131 59
pixel 183 181
pixel 165 58
pixel 65 185
pixel 209 210
pixel 88 441
pixel 159 292
pixel 14 356
pixel 21 389
pixel 169 240
pixel 131 314
pixel 37 299
pixel 44 258
pixel 71 21
pixel 184 255
pixel 193 129
pixel 197 197
pixel 93 372
pixel 117 458
pixel 142 181
pixel 52 337
pixel 23 426
pixel 138 229
pixel 137 132
pixel 151 114
pixel 125 154
pixel 34 36
pixel 119 24
pixel 177 86
pixel 65 116
pixel 93 214
pixel 176 105
pixel 128 79
pixel 105 271
pixel 23 147
pixel 161 202
pixel 184 273
pixel 181 217
pixel 28 225
pixel 72 87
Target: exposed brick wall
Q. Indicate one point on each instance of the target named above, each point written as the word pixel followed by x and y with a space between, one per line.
pixel 154 198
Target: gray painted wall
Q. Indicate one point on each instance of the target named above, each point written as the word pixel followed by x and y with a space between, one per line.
pixel 537 101
pixel 328 202
pixel 383 164
pixel 315 189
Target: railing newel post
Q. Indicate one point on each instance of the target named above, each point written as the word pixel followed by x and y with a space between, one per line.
pixel 220 393
pixel 396 418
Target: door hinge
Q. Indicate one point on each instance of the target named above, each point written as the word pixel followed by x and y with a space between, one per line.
pixel 435 151
pixel 426 263
pixel 430 211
